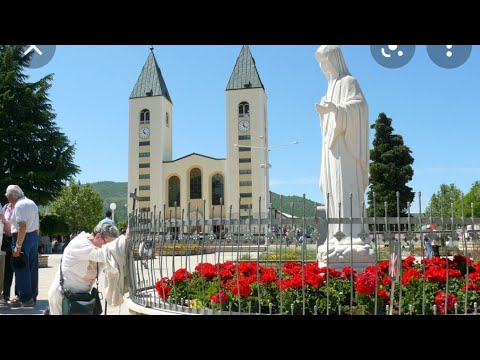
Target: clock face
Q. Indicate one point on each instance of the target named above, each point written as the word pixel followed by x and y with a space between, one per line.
pixel 244 125
pixel 144 133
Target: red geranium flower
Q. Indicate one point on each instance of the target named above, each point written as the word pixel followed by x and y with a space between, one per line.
pixel 409 275
pixel 219 297
pixel 242 286
pixel 365 283
pixel 206 270
pixel 268 275
pixel 385 296
pixel 440 302
pixel 408 262
pixel 347 271
pixel 163 289
pixel 292 268
pixel 181 275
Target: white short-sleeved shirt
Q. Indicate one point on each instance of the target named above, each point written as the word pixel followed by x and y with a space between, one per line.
pixel 25 210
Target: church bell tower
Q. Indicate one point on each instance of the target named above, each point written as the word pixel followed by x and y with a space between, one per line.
pixel 150 136
pixel 247 138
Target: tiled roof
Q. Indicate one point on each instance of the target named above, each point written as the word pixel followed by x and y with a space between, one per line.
pixel 245 74
pixel 150 82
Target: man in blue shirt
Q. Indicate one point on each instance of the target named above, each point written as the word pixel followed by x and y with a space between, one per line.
pixel 108 218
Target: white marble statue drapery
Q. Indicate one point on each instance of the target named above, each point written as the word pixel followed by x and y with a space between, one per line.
pixel 345 145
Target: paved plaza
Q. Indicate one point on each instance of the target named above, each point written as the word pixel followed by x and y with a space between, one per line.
pixel 46 276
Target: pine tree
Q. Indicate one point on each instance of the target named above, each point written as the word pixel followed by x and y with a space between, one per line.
pixel 34 153
pixel 390 170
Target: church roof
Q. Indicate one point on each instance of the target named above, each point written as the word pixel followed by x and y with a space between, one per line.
pixel 245 74
pixel 192 154
pixel 150 82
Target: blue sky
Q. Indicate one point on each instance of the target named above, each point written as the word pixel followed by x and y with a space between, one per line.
pixel 434 109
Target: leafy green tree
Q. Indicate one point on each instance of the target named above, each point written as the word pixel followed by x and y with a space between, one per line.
pixel 473 196
pixel 443 199
pixel 34 153
pixel 390 169
pixel 80 207
pixel 53 225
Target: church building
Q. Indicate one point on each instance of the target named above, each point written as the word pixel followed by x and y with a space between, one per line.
pixel 239 179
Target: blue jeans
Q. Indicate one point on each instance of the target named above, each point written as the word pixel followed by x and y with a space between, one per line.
pixel 26 280
pixel 428 248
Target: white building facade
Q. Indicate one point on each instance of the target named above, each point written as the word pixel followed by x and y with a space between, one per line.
pixel 238 179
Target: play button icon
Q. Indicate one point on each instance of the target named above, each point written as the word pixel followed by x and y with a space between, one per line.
pixel 40 55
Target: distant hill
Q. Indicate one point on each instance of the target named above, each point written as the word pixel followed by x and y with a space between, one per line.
pixel 297 201
pixel 116 192
pixel 113 192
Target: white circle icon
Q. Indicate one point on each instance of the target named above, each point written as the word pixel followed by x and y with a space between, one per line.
pixel 449 56
pixel 392 56
pixel 449 53
pixel 393 48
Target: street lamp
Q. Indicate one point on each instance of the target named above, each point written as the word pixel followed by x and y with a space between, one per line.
pixel 113 206
pixel 266 165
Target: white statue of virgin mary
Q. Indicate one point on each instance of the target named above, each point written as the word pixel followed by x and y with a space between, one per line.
pixel 345 145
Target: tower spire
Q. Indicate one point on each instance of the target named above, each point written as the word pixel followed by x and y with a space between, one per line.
pixel 245 74
pixel 150 82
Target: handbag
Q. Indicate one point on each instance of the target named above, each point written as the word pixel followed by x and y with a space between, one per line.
pixel 80 303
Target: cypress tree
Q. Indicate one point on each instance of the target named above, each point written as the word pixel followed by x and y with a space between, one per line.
pixel 390 170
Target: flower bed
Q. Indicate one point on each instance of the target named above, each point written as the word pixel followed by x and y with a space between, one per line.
pixel 249 286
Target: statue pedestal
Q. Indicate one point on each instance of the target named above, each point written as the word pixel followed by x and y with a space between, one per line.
pixel 340 254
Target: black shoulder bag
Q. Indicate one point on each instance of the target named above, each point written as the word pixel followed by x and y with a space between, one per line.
pixel 80 303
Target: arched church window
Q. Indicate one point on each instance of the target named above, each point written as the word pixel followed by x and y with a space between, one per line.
pixel 243 109
pixel 217 189
pixel 145 116
pixel 166 120
pixel 195 184
pixel 173 191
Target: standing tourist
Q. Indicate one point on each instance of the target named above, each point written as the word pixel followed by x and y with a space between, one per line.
pixel 8 210
pixel 25 224
pixel 108 218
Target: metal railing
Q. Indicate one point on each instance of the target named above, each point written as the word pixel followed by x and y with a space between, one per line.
pixel 255 264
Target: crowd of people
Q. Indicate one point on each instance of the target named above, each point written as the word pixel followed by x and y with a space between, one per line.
pixel 83 255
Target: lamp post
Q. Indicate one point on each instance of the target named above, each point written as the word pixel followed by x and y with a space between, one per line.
pixel 113 206
pixel 266 165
